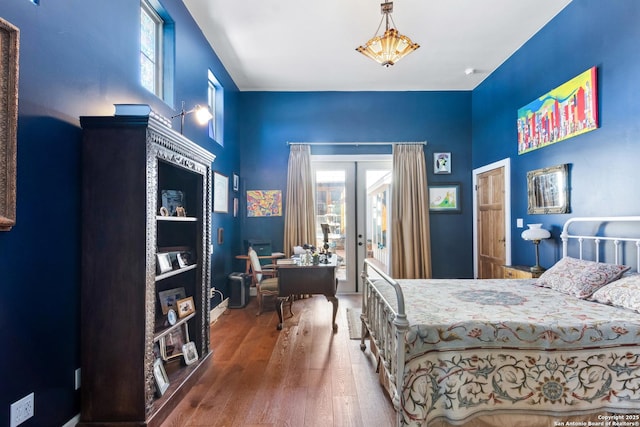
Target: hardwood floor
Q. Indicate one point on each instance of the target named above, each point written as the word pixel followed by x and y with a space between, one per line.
pixel 304 375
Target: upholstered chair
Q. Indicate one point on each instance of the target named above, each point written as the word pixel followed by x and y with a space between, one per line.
pixel 265 277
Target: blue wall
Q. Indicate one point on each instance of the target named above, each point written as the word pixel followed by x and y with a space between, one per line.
pixel 440 118
pixel 78 58
pixel 604 162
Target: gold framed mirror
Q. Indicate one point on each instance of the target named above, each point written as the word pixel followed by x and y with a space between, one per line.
pixel 9 36
pixel 548 190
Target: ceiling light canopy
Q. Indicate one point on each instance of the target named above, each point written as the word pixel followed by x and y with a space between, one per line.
pixel 391 46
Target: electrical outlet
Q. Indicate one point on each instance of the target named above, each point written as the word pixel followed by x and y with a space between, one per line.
pixel 22 410
pixel 76 378
pixel 212 292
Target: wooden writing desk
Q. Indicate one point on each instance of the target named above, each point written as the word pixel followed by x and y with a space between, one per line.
pixel 309 279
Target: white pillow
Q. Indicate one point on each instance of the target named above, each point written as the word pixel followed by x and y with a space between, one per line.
pixel 624 292
pixel 578 277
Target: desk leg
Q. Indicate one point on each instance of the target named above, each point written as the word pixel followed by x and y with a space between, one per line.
pixel 334 302
pixel 279 310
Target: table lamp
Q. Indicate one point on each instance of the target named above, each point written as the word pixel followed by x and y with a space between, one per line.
pixel 535 233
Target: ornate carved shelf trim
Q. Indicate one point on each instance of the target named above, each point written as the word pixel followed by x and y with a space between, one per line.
pixel 9 47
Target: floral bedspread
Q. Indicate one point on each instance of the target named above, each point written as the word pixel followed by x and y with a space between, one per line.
pixel 507 345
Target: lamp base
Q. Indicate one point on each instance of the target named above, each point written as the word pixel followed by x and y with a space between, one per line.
pixel 537 269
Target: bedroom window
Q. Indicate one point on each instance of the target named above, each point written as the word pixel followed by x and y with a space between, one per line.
pixel 156 50
pixel 215 102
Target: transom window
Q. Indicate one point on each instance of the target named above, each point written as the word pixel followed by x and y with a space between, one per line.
pixel 156 50
pixel 215 100
pixel 150 49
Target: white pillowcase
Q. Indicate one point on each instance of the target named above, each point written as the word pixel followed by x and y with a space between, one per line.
pixel 578 277
pixel 624 292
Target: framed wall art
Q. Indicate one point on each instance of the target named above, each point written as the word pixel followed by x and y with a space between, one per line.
pixel 569 110
pixel 264 203
pixel 445 198
pixel 441 163
pixel 236 182
pixel 220 193
pixel 9 44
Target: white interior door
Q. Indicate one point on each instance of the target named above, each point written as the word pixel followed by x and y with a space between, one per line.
pixel 352 197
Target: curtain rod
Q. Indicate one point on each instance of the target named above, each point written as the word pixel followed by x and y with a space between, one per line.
pixel 356 143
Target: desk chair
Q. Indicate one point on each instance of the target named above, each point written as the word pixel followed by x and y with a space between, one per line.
pixel 265 278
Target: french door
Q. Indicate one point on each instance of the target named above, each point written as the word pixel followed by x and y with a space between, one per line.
pixel 352 198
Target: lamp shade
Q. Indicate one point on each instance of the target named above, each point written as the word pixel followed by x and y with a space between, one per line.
pixel 535 232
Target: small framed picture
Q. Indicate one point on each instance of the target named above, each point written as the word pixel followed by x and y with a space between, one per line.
pixel 220 193
pixel 163 264
pixel 235 207
pixel 441 163
pixel 160 377
pixel 172 344
pixel 220 235
pixel 171 200
pixel 236 182
pixel 169 299
pixel 444 198
pixel 184 259
pixel 190 353
pixel 185 307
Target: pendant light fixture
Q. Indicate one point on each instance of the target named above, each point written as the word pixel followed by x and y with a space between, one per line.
pixel 391 46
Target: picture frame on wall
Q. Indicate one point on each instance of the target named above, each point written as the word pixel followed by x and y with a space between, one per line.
pixel 236 182
pixel 220 193
pixel 441 163
pixel 445 198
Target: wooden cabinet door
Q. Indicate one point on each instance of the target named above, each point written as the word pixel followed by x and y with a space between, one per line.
pixel 490 217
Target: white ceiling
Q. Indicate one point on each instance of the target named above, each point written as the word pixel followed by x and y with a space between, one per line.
pixel 302 45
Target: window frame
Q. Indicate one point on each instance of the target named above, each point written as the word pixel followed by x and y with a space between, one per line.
pixel 164 59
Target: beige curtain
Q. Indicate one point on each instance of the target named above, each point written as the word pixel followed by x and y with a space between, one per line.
pixel 410 241
pixel 299 213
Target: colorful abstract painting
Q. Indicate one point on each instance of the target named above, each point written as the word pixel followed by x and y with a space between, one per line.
pixel 568 110
pixel 264 203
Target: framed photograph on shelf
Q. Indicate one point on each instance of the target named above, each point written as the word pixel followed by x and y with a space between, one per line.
pixel 441 163
pixel 190 353
pixel 220 193
pixel 184 259
pixel 169 299
pixel 185 307
pixel 160 377
pixel 236 182
pixel 171 201
pixel 445 198
pixel 163 263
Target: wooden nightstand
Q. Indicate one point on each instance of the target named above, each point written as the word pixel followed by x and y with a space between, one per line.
pixel 519 272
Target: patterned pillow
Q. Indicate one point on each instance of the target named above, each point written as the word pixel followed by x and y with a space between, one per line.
pixel 578 277
pixel 624 292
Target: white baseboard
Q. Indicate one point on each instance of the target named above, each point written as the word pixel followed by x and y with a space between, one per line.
pixel 218 310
